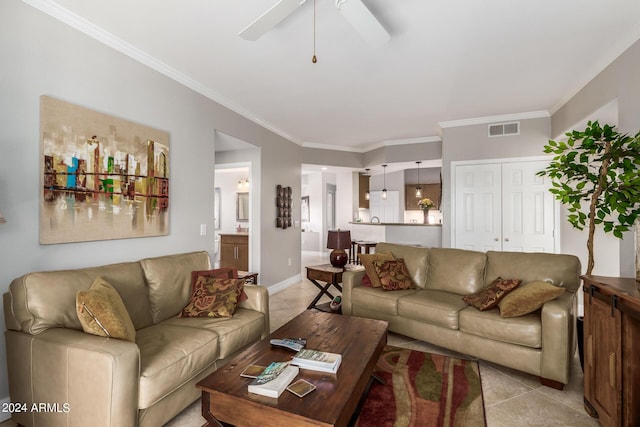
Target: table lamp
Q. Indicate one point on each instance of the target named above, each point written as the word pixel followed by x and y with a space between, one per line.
pixel 339 240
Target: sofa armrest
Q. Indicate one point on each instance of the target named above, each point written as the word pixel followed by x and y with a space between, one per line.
pixel 91 380
pixel 350 280
pixel 558 337
pixel 258 301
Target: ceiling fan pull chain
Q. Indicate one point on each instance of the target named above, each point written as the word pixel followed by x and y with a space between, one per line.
pixel 314 59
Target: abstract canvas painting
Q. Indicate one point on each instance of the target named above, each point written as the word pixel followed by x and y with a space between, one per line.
pixel 102 177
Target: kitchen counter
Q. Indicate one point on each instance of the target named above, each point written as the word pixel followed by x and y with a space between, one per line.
pixel 427 235
pixel 413 224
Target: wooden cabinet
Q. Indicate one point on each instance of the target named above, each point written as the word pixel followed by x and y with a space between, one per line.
pixel 431 191
pixel 612 345
pixel 234 251
pixel 363 189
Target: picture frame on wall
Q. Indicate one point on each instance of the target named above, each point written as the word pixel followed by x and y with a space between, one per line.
pixel 304 209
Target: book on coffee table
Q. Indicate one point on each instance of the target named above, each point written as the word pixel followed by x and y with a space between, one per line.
pixel 316 360
pixel 274 379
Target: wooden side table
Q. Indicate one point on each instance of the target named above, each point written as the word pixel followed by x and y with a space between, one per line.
pixel 330 275
pixel 251 278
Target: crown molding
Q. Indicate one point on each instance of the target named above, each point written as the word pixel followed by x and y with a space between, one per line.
pixel 495 119
pixel 607 60
pixel 371 147
pixel 90 29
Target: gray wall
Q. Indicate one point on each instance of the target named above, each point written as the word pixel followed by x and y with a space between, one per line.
pixel 473 143
pixel 40 55
pixel 621 80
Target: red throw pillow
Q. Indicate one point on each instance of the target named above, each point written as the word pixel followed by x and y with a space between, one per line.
pixel 366 281
pixel 489 297
pixel 220 273
pixel 213 297
pixel 393 275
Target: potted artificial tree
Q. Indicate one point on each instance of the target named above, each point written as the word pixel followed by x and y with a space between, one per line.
pixel 595 173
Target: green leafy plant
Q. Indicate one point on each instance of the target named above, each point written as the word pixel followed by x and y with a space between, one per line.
pixel 596 175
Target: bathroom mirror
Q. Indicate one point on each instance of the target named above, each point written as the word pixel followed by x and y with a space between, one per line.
pixel 242 207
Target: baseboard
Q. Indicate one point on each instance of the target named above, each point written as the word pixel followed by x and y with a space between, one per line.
pixel 4 416
pixel 281 286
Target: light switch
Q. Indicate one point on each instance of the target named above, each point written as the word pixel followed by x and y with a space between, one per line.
pixel 203 229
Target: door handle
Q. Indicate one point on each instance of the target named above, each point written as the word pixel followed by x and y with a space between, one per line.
pixel 612 370
pixel 506 239
pixel 496 239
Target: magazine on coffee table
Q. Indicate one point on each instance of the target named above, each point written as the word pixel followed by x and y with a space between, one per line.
pixel 274 379
pixel 316 360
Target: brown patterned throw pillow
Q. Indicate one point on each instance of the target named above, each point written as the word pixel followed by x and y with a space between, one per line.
pixel 367 262
pixel 489 297
pixel 220 273
pixel 101 312
pixel 213 297
pixel 528 298
pixel 393 274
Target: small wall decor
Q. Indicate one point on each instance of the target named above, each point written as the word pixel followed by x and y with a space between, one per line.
pixel 304 209
pixel 102 177
pixel 283 206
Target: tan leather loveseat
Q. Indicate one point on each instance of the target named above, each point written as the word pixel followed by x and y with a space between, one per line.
pixel 100 381
pixel 541 343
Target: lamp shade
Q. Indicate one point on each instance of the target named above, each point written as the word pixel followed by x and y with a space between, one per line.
pixel 339 239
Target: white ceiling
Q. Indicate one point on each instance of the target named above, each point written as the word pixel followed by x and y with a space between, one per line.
pixel 446 60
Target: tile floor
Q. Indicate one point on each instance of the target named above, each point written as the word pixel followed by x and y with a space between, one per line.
pixel 511 398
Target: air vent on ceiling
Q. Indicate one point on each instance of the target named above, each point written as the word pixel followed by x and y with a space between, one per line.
pixel 503 129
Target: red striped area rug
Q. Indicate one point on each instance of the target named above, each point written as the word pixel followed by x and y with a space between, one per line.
pixel 423 389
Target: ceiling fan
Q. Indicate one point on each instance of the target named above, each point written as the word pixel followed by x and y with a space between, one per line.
pixel 354 11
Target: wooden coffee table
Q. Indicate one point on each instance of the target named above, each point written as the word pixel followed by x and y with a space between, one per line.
pixel 225 398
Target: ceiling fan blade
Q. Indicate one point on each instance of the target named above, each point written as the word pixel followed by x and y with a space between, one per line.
pixel 270 19
pixel 365 23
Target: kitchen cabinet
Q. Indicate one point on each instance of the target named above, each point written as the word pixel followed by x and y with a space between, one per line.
pixel 363 189
pixel 612 343
pixel 234 251
pixel 430 191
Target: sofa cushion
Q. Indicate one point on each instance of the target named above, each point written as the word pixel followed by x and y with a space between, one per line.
pixel 377 299
pixel 489 298
pixel 169 281
pixel 528 298
pixel 415 258
pixel 213 297
pixel 245 327
pixel 171 355
pixel 435 307
pixel 524 330
pixel 48 299
pixel 456 270
pixel 367 261
pixel 393 275
pixel 559 269
pixel 102 312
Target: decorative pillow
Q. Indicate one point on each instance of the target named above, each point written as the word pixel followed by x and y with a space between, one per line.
pixel 366 281
pixel 393 275
pixel 367 262
pixel 528 298
pixel 489 297
pixel 213 297
pixel 220 273
pixel 101 312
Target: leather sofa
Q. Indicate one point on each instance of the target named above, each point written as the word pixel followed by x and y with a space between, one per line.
pixel 94 381
pixel 541 343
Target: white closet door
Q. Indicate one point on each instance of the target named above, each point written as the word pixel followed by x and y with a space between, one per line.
pixel 503 207
pixel 527 208
pixel 477 213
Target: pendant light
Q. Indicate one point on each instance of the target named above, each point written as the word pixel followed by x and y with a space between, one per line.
pixel 384 185
pixel 367 196
pixel 419 187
